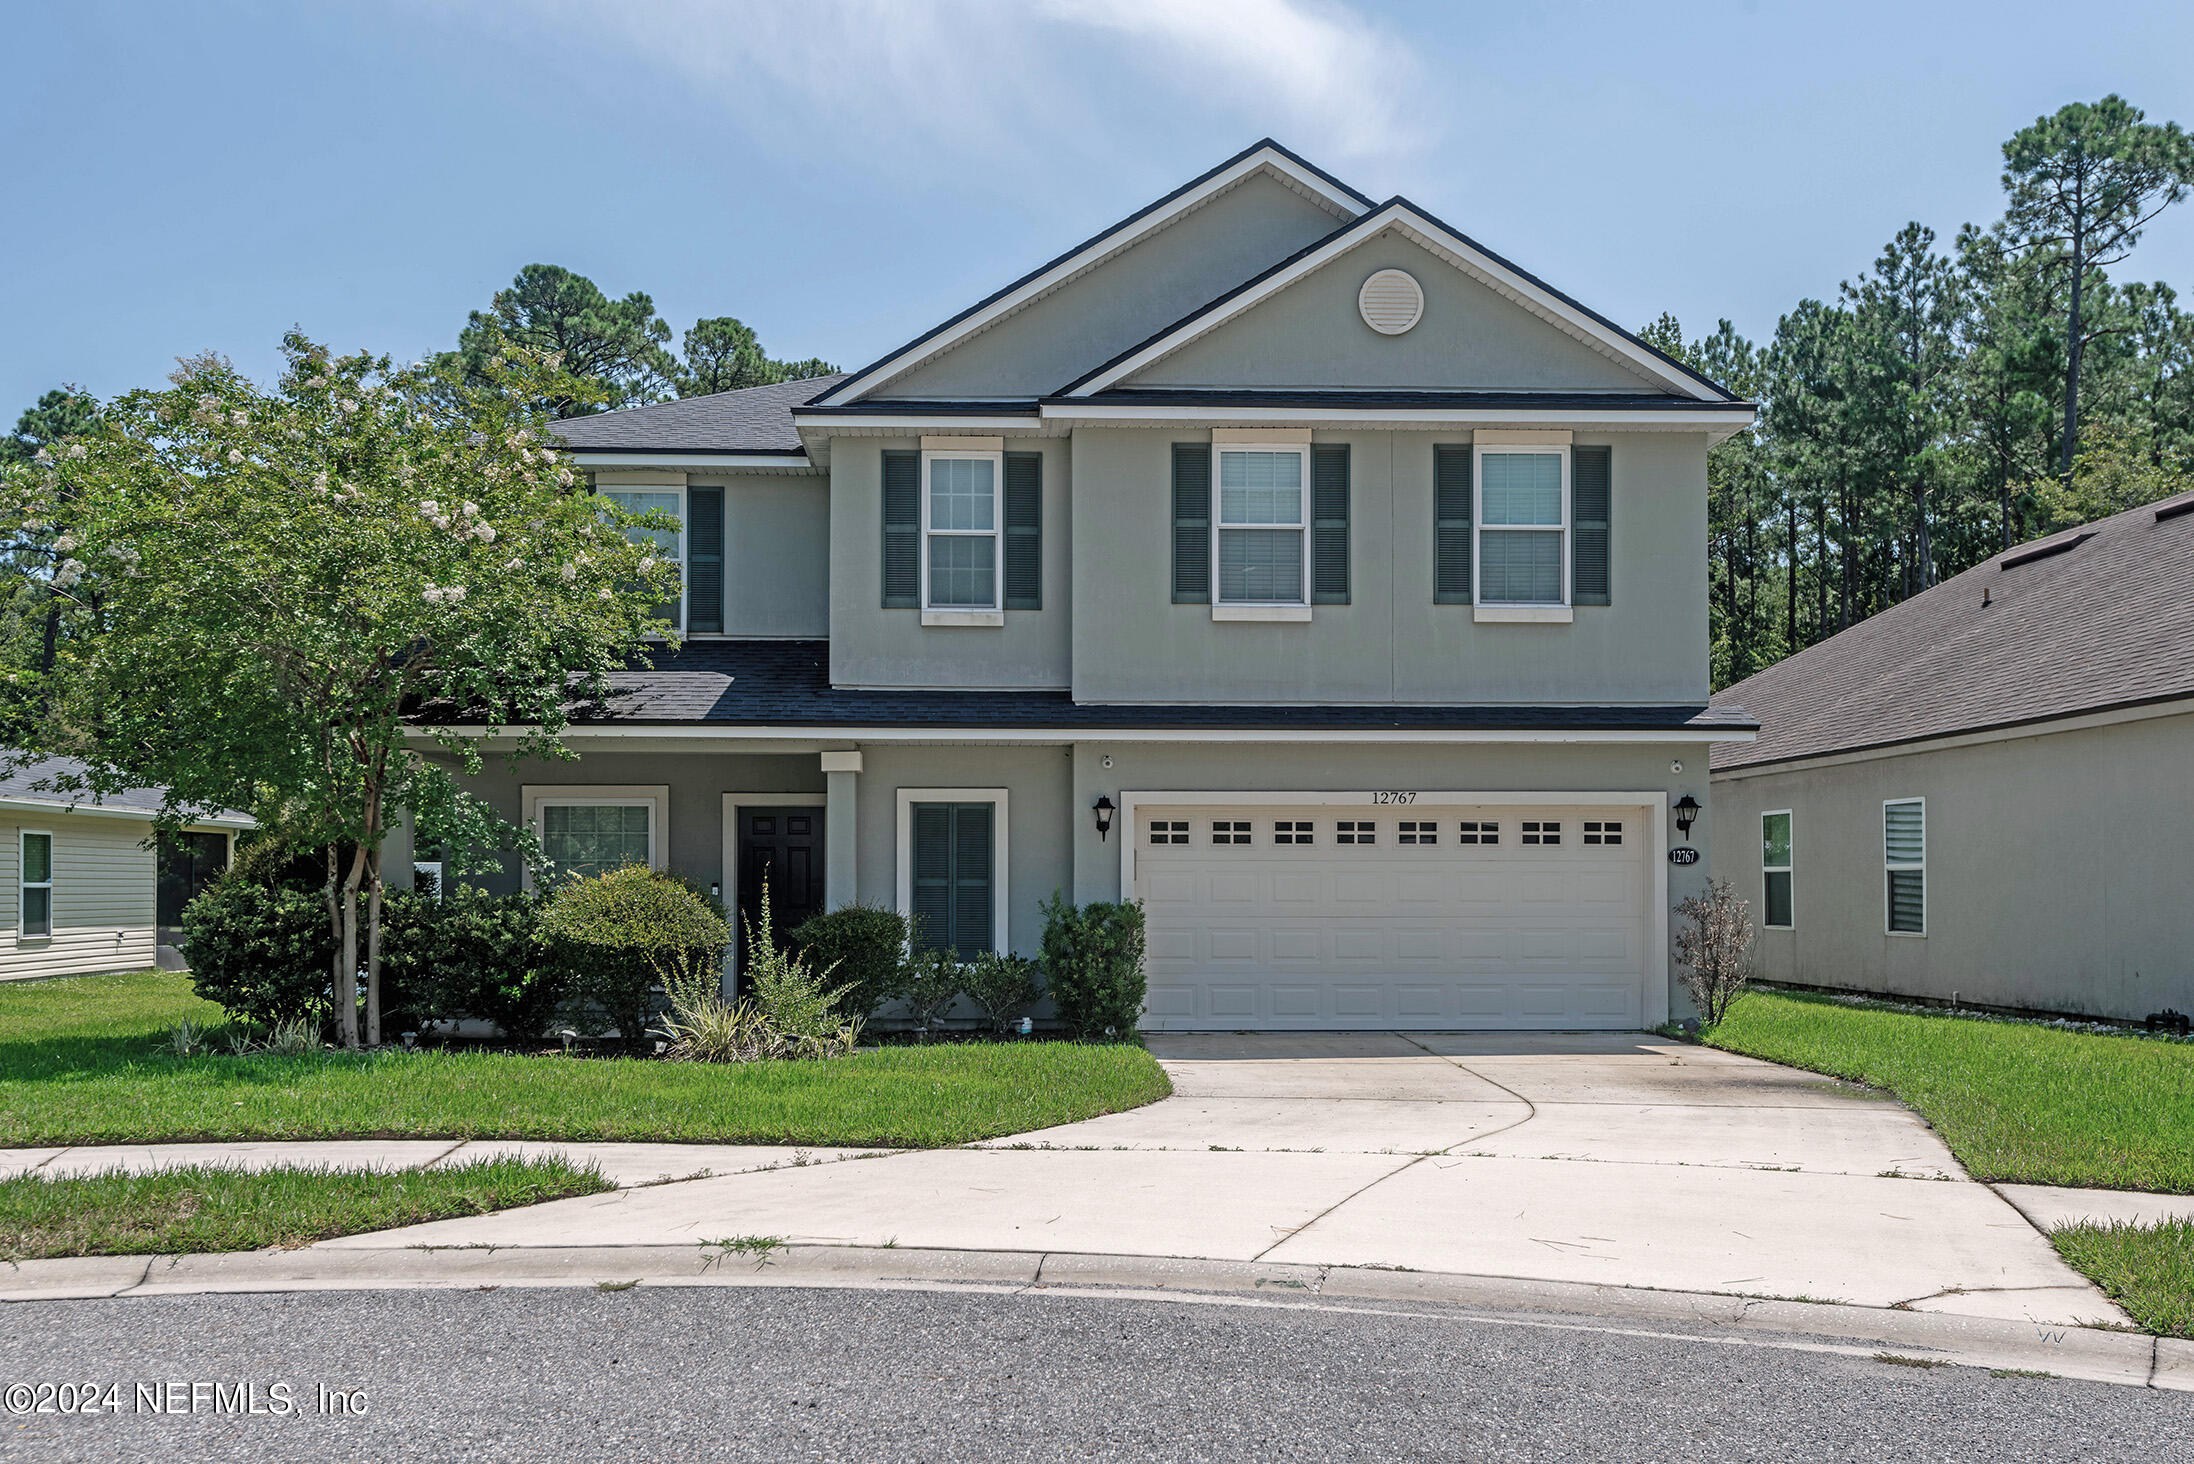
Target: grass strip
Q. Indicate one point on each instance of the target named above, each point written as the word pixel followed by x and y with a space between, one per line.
pixel 2146 1269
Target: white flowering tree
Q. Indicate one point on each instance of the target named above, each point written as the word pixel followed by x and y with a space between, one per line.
pixel 262 589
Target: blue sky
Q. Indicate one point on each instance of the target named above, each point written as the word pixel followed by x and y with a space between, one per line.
pixel 842 174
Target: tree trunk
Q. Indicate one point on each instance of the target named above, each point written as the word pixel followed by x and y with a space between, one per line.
pixel 341 980
pixel 2072 360
pixel 373 950
pixel 1923 544
pixel 347 997
pixel 1790 578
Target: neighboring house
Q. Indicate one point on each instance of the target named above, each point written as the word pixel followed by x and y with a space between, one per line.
pixel 1988 790
pixel 87 886
pixel 1282 559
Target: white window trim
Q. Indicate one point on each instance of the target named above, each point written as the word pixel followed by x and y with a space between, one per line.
pixel 22 884
pixel 1889 865
pixel 1000 864
pixel 1516 612
pixel 1259 610
pixel 533 797
pixel 685 530
pixel 1790 869
pixel 994 612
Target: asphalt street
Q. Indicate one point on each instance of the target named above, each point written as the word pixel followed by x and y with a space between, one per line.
pixel 796 1374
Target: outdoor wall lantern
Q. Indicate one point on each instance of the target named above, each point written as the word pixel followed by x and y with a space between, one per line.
pixel 1103 809
pixel 1687 814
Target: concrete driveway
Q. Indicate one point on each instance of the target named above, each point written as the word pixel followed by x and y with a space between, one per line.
pixel 1609 1158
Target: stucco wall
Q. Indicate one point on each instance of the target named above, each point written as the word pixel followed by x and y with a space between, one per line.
pixel 103 897
pixel 2058 871
pixel 776 554
pixel 1391 643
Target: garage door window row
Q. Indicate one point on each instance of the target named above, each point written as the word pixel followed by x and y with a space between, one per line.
pixel 1415 833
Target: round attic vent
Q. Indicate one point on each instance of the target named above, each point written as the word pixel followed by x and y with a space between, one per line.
pixel 1391 301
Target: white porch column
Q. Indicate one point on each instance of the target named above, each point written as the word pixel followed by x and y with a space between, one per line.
pixel 841 780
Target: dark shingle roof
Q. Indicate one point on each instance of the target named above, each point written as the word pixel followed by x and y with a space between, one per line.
pixel 753 419
pixel 34 778
pixel 787 683
pixel 2106 623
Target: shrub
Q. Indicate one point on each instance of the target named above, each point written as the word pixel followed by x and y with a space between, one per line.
pixel 1093 965
pixel 933 982
pixel 265 954
pixel 1002 987
pixel 863 948
pixel 1715 947
pixel 627 934
pixel 471 954
pixel 794 995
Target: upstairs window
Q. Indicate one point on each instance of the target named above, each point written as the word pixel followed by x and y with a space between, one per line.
pixel 1523 526
pixel 961 543
pixel 670 544
pixel 1904 865
pixel 1776 869
pixel 1261 552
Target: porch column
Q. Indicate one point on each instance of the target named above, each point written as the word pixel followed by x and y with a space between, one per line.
pixel 841 780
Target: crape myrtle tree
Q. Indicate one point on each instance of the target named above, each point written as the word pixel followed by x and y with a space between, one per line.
pixel 262 588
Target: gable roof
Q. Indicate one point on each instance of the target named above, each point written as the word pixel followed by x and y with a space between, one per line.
pixel 1265 156
pixel 27 781
pixel 756 419
pixel 2104 621
pixel 1474 259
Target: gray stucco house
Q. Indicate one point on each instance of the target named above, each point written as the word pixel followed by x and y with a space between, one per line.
pixel 1284 559
pixel 1986 791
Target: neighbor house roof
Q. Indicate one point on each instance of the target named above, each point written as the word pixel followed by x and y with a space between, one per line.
pixel 30 783
pixel 2090 620
pixel 756 419
pixel 786 684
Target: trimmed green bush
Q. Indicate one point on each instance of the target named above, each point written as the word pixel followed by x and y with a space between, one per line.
pixel 471 954
pixel 934 981
pixel 1002 987
pixel 265 954
pixel 1093 965
pixel 861 948
pixel 627 935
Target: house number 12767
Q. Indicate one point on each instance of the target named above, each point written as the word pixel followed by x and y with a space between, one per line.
pixel 1393 798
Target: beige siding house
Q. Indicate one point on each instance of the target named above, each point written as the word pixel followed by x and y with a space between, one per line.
pixel 81 886
pixel 1987 792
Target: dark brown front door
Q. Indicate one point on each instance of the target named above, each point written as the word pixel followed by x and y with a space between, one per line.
pixel 783 846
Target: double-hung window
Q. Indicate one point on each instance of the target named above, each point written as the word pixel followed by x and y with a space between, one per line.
pixel 1523 527
pixel 1777 869
pixel 35 896
pixel 961 545
pixel 1904 865
pixel 1260 554
pixel 669 543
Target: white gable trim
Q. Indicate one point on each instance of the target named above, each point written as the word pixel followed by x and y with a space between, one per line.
pixel 1500 277
pixel 1264 158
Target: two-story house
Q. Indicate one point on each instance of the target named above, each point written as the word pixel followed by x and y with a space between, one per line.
pixel 1282 559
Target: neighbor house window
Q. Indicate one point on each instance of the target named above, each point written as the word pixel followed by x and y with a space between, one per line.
pixel 960 568
pixel 1775 868
pixel 1523 526
pixel 586 839
pixel 37 891
pixel 669 543
pixel 1261 553
pixel 1904 864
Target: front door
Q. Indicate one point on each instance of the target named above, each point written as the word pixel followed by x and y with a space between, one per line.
pixel 784 848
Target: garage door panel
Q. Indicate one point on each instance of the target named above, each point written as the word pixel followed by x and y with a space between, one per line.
pixel 1432 934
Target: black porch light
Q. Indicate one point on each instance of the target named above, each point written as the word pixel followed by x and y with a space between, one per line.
pixel 1687 814
pixel 1103 809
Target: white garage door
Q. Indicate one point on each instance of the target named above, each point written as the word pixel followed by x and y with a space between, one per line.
pixel 1436 918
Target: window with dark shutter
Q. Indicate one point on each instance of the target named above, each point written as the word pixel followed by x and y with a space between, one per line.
pixel 1329 524
pixel 1591 495
pixel 1024 531
pixel 1451 524
pixel 953 876
pixel 902 497
pixel 1191 523
pixel 705 561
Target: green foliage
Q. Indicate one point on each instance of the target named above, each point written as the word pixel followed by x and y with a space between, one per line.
pixel 933 982
pixel 472 954
pixel 1093 965
pixel 266 955
pixel 2146 1269
pixel 612 350
pixel 863 948
pixel 794 994
pixel 59 415
pixel 1003 987
pixel 722 354
pixel 629 933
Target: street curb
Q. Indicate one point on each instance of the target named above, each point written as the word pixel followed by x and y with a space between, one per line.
pixel 2099 1355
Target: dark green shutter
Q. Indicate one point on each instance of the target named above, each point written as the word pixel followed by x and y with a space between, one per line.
pixel 1024 531
pixel 1451 524
pixel 953 875
pixel 1591 494
pixel 902 530
pixel 1191 523
pixel 705 561
pixel 1329 525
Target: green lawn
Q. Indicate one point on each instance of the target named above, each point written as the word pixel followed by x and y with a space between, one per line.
pixel 81 1062
pixel 2015 1102
pixel 2147 1269
pixel 213 1209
